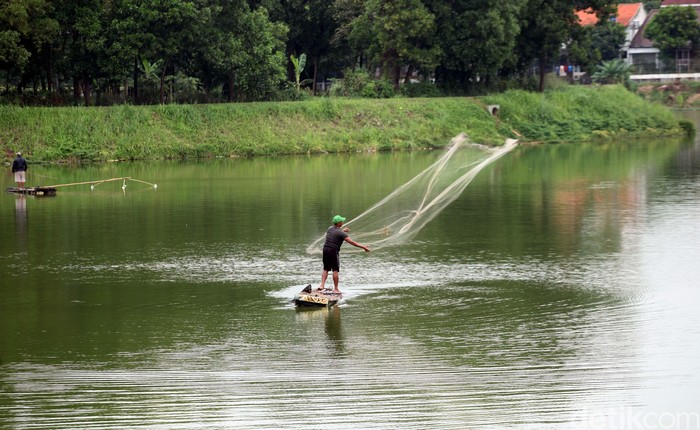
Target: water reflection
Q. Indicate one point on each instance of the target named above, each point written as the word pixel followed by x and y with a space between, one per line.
pixel 331 326
pixel 21 221
pixel 334 331
pixel 561 284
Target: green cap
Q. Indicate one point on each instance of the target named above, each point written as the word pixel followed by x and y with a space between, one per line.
pixel 337 219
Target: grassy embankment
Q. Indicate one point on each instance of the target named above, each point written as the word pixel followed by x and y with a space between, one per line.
pixel 677 95
pixel 326 125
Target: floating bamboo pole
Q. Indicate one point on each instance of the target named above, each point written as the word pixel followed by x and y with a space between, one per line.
pixel 143 182
pixel 91 182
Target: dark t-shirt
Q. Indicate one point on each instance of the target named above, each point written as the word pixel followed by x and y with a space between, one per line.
pixel 19 165
pixel 334 238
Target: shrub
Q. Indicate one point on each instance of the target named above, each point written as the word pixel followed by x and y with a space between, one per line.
pixel 360 84
pixel 687 126
pixel 421 89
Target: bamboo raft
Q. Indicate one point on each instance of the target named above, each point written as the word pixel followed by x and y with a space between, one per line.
pixel 315 298
pixel 50 190
pixel 33 191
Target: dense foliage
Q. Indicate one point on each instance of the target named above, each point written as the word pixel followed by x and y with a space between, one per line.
pixel 187 51
pixel 674 28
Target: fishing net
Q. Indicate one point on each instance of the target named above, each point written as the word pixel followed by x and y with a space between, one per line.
pixel 399 216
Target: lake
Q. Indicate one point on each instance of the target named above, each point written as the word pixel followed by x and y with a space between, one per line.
pixel 561 289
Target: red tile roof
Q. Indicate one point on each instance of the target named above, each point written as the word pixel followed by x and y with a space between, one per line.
pixel 625 13
pixel 587 17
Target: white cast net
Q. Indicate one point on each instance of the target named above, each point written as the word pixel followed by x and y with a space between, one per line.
pixel 399 216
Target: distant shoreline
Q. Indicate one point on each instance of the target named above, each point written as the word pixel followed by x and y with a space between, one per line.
pixel 327 125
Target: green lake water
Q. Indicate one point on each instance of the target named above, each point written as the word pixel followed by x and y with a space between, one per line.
pixel 560 290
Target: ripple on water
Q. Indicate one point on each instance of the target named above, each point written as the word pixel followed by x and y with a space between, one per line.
pixel 502 344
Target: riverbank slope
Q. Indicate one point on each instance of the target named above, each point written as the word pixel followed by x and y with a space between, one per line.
pixel 574 113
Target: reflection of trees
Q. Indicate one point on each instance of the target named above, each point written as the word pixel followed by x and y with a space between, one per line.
pixel 559 198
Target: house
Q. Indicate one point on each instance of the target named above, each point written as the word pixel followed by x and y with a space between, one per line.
pixel 642 53
pixel 645 56
pixel 629 15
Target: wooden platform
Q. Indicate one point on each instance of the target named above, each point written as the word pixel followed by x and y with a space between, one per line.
pixel 33 191
pixel 314 298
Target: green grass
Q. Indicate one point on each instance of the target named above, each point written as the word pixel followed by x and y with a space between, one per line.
pixel 584 113
pixel 325 125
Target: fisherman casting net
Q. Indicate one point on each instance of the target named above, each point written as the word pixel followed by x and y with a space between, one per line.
pixel 399 216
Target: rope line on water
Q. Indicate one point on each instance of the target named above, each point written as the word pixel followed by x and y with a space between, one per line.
pixel 39 176
pixel 95 183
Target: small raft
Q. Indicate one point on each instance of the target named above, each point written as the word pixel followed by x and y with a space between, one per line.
pixel 315 298
pixel 34 191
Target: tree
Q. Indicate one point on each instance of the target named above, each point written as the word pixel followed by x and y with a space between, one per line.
pixel 163 29
pixel 315 38
pixel 349 37
pixel 477 39
pixel 310 26
pixel 26 32
pixel 81 44
pixel 589 45
pixel 546 25
pixel 242 50
pixel 403 33
pixel 12 52
pixel 580 50
pixel 355 31
pixel 262 71
pixel 674 28
pixel 650 5
pixel 607 38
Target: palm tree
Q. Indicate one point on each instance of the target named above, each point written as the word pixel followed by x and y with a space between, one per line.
pixel 612 72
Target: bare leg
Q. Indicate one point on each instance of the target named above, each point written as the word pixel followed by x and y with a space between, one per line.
pixel 336 279
pixel 324 276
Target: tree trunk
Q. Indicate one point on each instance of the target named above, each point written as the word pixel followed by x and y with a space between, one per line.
pixel 543 62
pixel 291 73
pixel 86 91
pixel 231 84
pixel 76 91
pixel 136 80
pixel 397 74
pixel 162 84
pixel 49 68
pixel 409 72
pixel 315 72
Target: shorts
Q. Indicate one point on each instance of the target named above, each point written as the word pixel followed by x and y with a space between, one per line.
pixel 331 260
pixel 19 176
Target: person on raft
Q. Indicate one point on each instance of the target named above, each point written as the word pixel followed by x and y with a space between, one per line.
pixel 19 168
pixel 335 236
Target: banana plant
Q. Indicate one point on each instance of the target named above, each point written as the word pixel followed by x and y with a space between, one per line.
pixel 151 70
pixel 299 65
